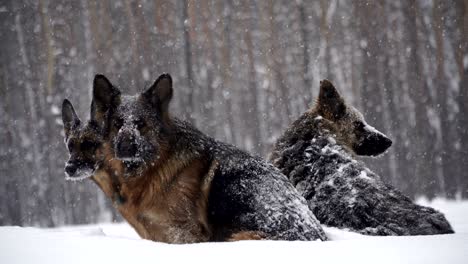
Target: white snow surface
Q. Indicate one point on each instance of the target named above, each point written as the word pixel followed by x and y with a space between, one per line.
pixel 118 243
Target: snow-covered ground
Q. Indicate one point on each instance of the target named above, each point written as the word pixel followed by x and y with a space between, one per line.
pixel 118 243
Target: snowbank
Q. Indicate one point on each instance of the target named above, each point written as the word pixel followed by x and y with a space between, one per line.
pixel 118 243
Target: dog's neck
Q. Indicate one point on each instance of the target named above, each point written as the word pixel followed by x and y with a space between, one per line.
pixel 308 145
pixel 308 128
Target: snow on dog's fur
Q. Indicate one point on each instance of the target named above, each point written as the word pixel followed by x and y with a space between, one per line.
pixel 316 153
pixel 81 140
pixel 181 186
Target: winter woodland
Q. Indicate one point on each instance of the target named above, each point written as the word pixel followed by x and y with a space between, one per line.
pixel 243 70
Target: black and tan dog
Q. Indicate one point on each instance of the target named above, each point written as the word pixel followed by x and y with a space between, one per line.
pixel 88 149
pixel 177 185
pixel 316 153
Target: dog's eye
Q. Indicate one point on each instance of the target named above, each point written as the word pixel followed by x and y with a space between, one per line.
pixel 88 145
pixel 140 124
pixel 118 122
pixel 359 125
pixel 71 146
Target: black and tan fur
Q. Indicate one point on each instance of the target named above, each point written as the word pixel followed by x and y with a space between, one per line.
pixel 92 157
pixel 177 185
pixel 87 150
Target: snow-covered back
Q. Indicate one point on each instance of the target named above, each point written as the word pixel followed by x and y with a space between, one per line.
pixel 342 191
pixel 251 194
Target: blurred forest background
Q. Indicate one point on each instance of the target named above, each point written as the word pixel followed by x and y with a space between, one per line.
pixel 243 70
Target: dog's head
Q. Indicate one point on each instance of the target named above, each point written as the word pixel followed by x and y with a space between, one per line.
pixel 82 141
pixel 138 125
pixel 348 124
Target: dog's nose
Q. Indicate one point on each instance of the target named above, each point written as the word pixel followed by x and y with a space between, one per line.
pixel 387 143
pixel 127 149
pixel 373 145
pixel 70 169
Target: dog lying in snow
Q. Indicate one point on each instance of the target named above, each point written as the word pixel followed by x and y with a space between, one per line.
pixel 316 153
pixel 173 183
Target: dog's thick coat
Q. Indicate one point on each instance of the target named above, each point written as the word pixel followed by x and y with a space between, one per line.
pixel 316 152
pixel 178 185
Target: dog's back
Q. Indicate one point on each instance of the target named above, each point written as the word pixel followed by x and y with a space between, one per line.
pixel 316 154
pixel 247 194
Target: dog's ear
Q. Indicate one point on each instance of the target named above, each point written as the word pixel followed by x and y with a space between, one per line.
pixel 159 95
pixel 105 96
pixel 330 104
pixel 104 93
pixel 97 117
pixel 69 118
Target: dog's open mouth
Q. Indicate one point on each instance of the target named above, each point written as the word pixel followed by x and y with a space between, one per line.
pixel 131 160
pixel 132 163
pixel 80 175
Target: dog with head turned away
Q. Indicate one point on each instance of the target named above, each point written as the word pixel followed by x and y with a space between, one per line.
pixel 317 153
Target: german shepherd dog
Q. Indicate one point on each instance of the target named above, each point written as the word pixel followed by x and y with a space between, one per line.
pixel 81 141
pixel 316 153
pixel 177 185
pixel 87 149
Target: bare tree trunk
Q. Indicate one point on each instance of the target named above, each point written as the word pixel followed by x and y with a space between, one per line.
pixel 186 18
pixel 34 134
pixel 422 132
pixel 325 33
pixel 372 88
pixel 306 74
pixel 135 65
pixel 443 148
pixel 462 102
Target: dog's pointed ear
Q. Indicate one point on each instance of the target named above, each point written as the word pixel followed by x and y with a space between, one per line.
pixel 105 96
pixel 69 118
pixel 330 103
pixel 159 95
pixel 96 115
pixel 104 93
